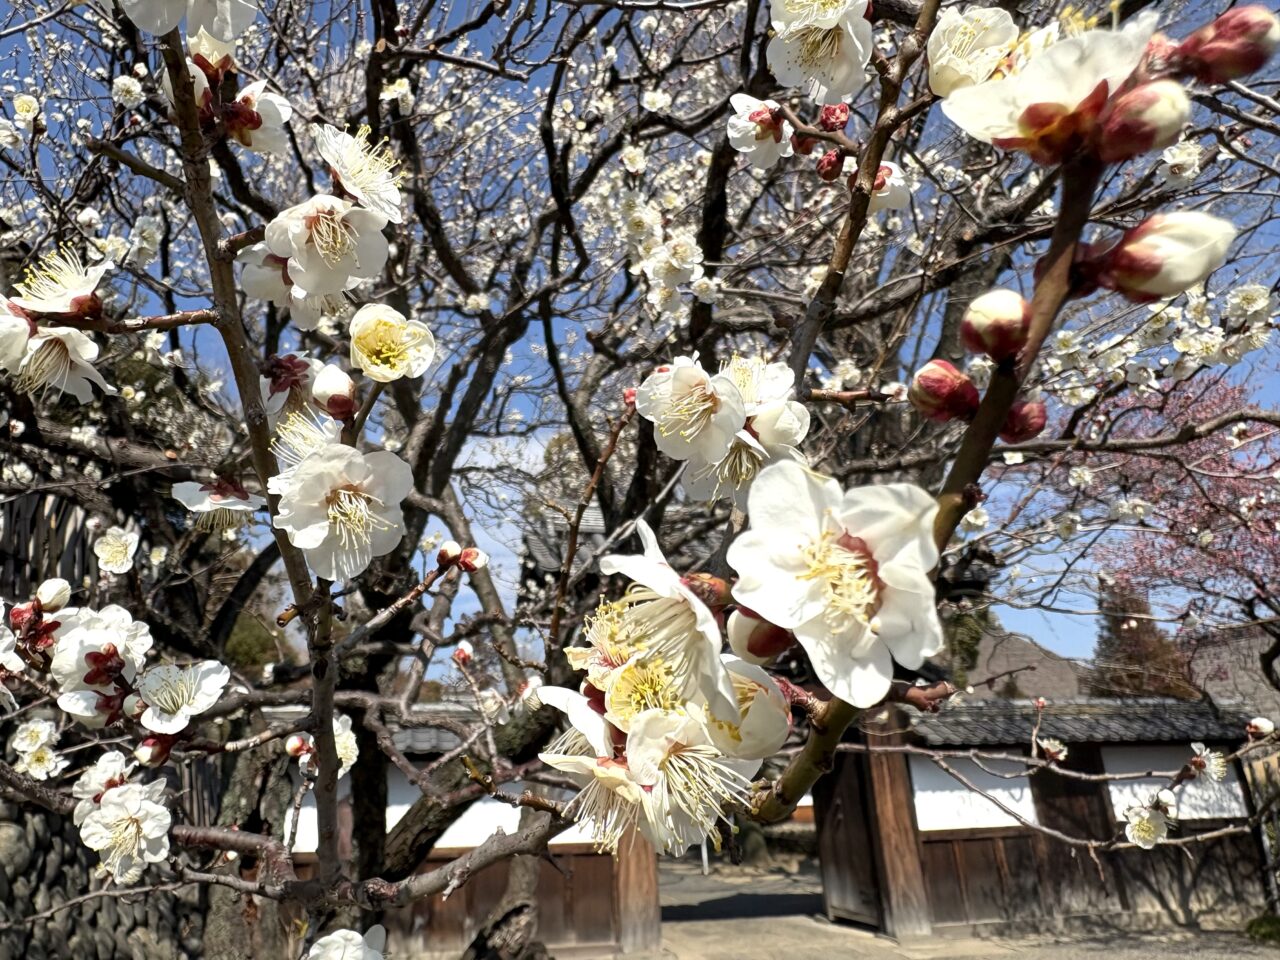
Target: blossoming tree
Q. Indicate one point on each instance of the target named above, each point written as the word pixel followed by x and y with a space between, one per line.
pixel 292 292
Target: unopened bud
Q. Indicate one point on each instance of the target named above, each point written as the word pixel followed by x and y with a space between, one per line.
pixel 134 707
pixel 1165 255
pixel 528 692
pixel 53 594
pixel 996 324
pixel 1148 117
pixel 334 392
pixel 449 553
pixel 755 639
pixel 710 589
pixel 629 396
pixel 463 653
pixel 24 617
pixel 1025 421
pixel 153 751
pixel 831 165
pixel 941 392
pixel 297 745
pixel 834 117
pixel 1236 44
pixel 472 559
pixel 1259 727
pixel 802 146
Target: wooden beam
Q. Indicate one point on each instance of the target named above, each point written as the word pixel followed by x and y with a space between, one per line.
pixel 896 838
pixel 638 910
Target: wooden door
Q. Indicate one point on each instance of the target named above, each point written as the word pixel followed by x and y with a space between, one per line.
pixel 849 887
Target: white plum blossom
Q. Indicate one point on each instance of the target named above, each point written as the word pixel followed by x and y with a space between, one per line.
pixel 32 735
pixel 765 714
pixel 344 742
pixel 364 171
pixel 60 358
pixel 890 190
pixel 341 507
pixel 257 119
pixel 129 829
pixel 1149 825
pixel 16 329
pixel 672 623
pixel 222 19
pixel 111 769
pixel 823 45
pixel 1212 762
pixel 1250 302
pixel 1055 96
pixel 217 505
pixel 174 694
pixel 127 91
pixel 42 763
pixel 846 571
pixel 633 159
pixel 264 275
pixel 115 550
pixel 350 945
pixel 1180 163
pixel 758 131
pixel 694 414
pixel 60 284
pixel 330 244
pixel 967 46
pixel 387 346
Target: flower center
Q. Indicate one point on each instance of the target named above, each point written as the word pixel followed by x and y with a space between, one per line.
pixel 175 697
pixel 642 685
pixel 817 7
pixel 738 468
pixel 351 512
pixel 50 364
pixel 126 836
pixel 819 47
pixel 297 438
pixel 688 413
pixel 53 277
pixel 745 373
pixel 389 345
pixel 331 235
pixel 365 168
pixel 847 570
pixel 1145 829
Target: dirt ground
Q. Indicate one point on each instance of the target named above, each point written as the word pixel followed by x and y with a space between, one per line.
pixel 776 915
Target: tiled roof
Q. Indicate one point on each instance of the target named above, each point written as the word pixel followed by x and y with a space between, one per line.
pixel 1008 722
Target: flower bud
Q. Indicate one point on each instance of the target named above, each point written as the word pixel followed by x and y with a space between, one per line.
pixel 831 165
pixel 942 393
pixel 1235 45
pixel 755 639
pixel 334 392
pixel 153 751
pixel 463 653
pixel 834 117
pixel 472 559
pixel 1148 117
pixel 24 617
pixel 629 396
pixel 710 589
pixel 528 692
pixel 802 146
pixel 996 324
pixel 53 594
pixel 449 553
pixel 1260 727
pixel 1025 421
pixel 297 744
pixel 1165 255
pixel 134 707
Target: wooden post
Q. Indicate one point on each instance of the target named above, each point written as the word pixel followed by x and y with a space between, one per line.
pixel 638 910
pixel 895 837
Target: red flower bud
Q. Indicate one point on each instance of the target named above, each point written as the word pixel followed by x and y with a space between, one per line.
pixel 629 396
pixel 755 639
pixel 1236 44
pixel 472 559
pixel 834 117
pixel 942 393
pixel 1148 117
pixel 996 324
pixel 803 146
pixel 831 165
pixel 1025 421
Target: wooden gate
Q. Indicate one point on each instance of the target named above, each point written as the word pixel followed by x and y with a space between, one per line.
pixel 850 890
